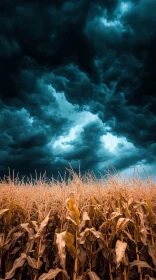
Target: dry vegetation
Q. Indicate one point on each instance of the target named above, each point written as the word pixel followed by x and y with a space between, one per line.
pixel 80 229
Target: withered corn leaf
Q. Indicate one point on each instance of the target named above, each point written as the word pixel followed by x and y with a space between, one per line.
pixel 85 216
pixel 43 225
pixel 152 253
pixel 69 241
pixel 32 262
pixel 60 242
pixel 115 215
pixel 84 234
pixel 141 264
pixel 17 263
pixel 28 229
pixel 120 249
pixel 2 212
pixel 122 223
pixel 52 273
pixel 93 275
pixel 73 210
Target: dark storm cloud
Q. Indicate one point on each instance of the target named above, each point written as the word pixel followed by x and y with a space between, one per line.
pixel 87 145
pixel 71 74
pixel 26 131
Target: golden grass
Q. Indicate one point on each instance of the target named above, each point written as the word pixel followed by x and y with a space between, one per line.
pixel 80 229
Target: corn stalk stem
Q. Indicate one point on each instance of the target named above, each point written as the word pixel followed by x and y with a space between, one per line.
pixel 110 271
pixel 1 252
pixel 90 247
pixel 76 259
pixel 138 258
pixel 109 264
pixel 38 259
pixel 152 237
pixel 124 258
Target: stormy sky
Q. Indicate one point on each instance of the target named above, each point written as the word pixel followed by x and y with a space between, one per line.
pixel 78 86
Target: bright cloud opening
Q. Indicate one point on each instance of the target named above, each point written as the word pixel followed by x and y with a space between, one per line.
pixel 111 142
pixel 124 7
pixel 112 23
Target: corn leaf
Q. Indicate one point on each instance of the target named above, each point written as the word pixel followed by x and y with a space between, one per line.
pixel 35 225
pixel 93 275
pixel 42 248
pixel 70 219
pixel 152 253
pixel 130 202
pixel 29 246
pixel 10 213
pixel 114 215
pixel 82 254
pixel 28 229
pixel 141 264
pixel 43 225
pixel 91 208
pixel 73 210
pixel 77 278
pixel 69 241
pixel 2 212
pixel 129 236
pixel 142 228
pixel 52 273
pixel 120 248
pixel 85 233
pixel 85 216
pixel 16 249
pixel 33 262
pixel 60 242
pixel 21 209
pixel 17 263
pixel 122 223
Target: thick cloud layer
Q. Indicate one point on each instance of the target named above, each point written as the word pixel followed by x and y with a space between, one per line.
pixel 78 85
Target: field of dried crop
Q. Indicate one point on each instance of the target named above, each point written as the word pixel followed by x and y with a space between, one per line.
pixel 83 229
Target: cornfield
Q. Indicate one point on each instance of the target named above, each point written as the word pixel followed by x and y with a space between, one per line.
pixel 83 229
